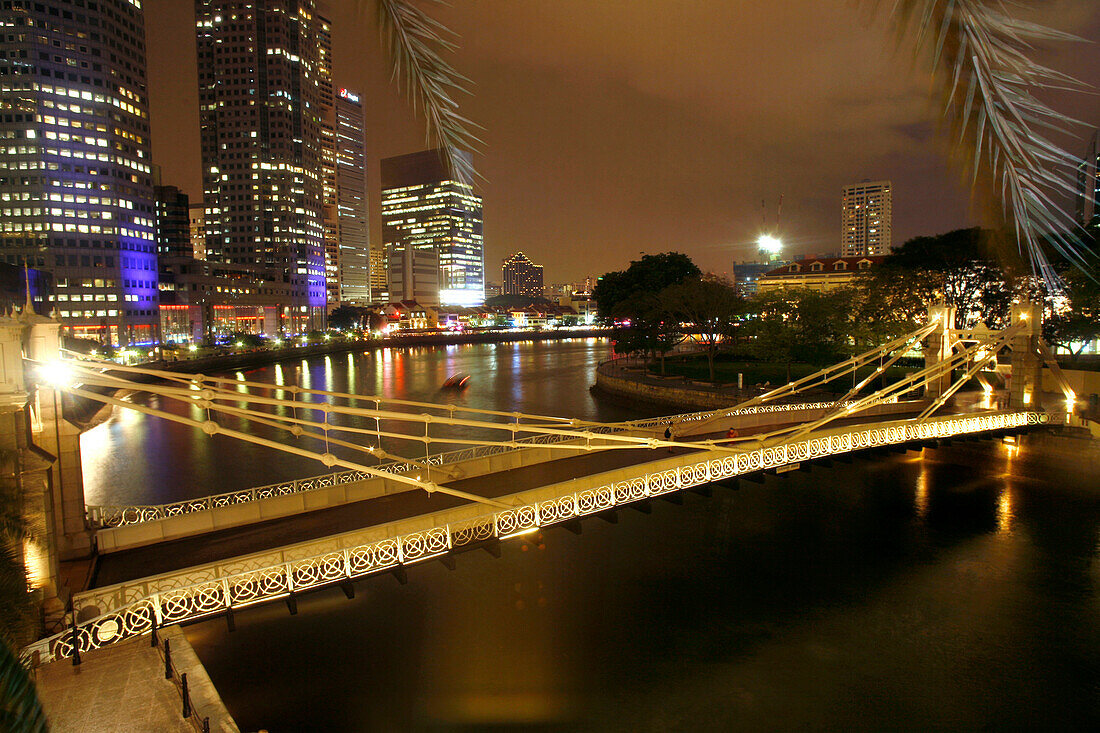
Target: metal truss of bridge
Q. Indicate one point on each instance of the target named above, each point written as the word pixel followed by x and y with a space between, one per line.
pixel 314 423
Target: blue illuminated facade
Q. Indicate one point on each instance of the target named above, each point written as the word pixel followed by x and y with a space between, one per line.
pixel 75 177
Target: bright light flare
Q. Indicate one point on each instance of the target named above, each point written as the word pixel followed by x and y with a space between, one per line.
pixel 769 243
pixel 57 374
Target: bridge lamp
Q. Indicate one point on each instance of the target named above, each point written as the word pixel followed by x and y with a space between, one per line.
pixel 56 374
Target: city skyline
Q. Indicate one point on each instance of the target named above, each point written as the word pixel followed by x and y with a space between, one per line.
pixel 606 123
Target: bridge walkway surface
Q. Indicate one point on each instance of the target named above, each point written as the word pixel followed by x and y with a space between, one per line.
pixel 163 557
pixel 168 556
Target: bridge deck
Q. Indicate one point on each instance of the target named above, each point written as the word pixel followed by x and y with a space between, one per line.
pixel 169 556
pixel 119 567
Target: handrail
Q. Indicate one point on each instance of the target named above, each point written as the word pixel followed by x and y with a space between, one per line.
pixel 129 609
pixel 115 515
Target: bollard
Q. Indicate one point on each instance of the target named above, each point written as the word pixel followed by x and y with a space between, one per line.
pixel 76 644
pixel 186 697
pixel 153 633
pixel 206 725
pixel 167 659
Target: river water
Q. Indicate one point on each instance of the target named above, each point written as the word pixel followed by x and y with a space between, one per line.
pixel 957 588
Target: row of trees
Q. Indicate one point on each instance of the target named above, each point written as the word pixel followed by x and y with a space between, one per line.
pixel 662 298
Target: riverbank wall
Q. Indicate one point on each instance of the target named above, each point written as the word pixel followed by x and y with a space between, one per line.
pixel 630 384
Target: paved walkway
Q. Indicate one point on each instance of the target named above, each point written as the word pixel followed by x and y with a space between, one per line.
pixel 121 687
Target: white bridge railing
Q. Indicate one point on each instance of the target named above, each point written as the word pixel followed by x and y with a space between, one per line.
pixel 129 609
pixel 123 515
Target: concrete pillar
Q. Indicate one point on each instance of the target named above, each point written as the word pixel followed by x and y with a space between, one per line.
pixel 937 347
pixel 24 470
pixel 1025 382
pixel 59 439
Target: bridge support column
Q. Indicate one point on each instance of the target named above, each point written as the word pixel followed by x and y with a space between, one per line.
pixel 59 440
pixel 1026 380
pixel 938 348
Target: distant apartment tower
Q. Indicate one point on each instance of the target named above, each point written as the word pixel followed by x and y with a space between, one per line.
pixel 1088 183
pixel 75 177
pixel 430 220
pixel 521 276
pixel 260 122
pixel 866 219
pixel 197 220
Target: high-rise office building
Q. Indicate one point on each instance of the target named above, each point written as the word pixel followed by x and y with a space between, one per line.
pixel 379 280
pixel 1088 183
pixel 431 221
pixel 260 117
pixel 866 219
pixel 521 276
pixel 173 224
pixel 351 201
pixel 75 179
pixel 197 220
pixel 327 102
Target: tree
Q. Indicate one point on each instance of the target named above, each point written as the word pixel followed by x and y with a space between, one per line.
pixel 1075 320
pixel 651 274
pixel 705 307
pixel 801 325
pixel 957 267
pixel 346 317
pixel 628 299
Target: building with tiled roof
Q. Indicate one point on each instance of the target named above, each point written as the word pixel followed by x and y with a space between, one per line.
pixel 816 273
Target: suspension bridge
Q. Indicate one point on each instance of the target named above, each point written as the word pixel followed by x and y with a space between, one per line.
pixel 392 499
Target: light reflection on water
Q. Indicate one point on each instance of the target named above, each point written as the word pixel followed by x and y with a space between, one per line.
pixel 135 459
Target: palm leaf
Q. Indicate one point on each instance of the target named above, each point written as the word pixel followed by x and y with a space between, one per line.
pixel 986 79
pixel 414 42
pixel 20 710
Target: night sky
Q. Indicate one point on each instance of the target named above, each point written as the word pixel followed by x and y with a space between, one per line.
pixel 616 127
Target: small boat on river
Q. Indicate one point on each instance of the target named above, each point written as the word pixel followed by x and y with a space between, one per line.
pixel 457 381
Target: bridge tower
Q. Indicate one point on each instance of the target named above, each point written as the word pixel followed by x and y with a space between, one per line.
pixel 938 347
pixel 1026 380
pixel 40 451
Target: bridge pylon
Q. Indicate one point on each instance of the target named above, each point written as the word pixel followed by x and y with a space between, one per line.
pixel 938 347
pixel 1025 382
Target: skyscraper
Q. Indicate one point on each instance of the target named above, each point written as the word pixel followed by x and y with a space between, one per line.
pixel 351 201
pixel 197 219
pixel 327 102
pixel 173 223
pixel 260 110
pixel 866 219
pixel 1088 183
pixel 75 178
pixel 431 229
pixel 521 276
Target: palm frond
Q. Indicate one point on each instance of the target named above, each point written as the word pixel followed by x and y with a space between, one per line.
pixel 20 710
pixel 981 60
pixel 415 43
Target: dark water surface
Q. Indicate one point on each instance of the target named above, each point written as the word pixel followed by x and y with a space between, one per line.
pixel 954 589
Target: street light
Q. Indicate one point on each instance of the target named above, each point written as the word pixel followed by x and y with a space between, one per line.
pixel 57 374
